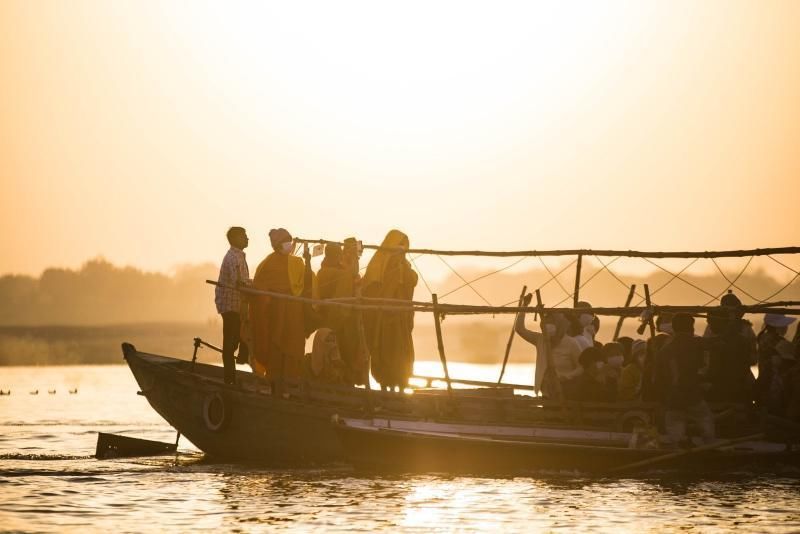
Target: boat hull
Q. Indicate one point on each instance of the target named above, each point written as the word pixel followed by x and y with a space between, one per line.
pixel 400 451
pixel 246 423
pixel 228 422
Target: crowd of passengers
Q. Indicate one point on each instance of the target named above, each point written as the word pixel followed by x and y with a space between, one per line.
pixel 675 367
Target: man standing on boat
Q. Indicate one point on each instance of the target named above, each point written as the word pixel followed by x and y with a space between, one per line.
pixel 678 367
pixel 230 305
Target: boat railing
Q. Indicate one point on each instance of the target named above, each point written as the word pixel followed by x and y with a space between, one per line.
pixel 573 252
pixel 394 305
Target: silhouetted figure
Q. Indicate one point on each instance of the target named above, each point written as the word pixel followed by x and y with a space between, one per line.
pixel 594 385
pixel 583 326
pixel 389 276
pixel 630 381
pixel 337 278
pixel 678 367
pixel 230 304
pixel 791 384
pixel 612 371
pixel 729 359
pixel 740 325
pixel 772 353
pixel 279 331
pixel 564 353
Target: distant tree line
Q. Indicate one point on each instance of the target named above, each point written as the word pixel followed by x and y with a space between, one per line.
pixel 100 293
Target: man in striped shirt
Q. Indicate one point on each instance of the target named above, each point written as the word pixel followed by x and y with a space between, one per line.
pixel 232 273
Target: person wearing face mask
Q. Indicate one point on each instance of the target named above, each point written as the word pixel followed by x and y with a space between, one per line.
pixel 560 349
pixel 388 333
pixel 664 323
pixel 678 367
pixel 630 380
pixel 584 327
pixel 278 324
pixel 771 346
pixel 613 355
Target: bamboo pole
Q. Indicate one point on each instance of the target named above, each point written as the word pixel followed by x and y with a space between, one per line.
pixel 649 303
pixel 362 341
pixel 440 342
pixel 575 297
pixel 622 318
pixel 511 336
pixel 585 252
pixel 649 323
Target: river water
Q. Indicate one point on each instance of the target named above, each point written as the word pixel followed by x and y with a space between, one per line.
pixel 49 480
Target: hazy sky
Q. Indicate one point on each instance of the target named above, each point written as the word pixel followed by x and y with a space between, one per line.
pixel 142 130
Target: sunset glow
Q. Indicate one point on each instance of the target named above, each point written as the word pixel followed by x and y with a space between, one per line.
pixel 141 131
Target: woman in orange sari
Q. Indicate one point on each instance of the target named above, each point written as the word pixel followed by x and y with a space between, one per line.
pixel 389 275
pixel 336 278
pixel 278 324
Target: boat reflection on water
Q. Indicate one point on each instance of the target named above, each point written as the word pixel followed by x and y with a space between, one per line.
pixel 51 482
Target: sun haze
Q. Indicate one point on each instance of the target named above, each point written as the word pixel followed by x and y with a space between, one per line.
pixel 142 130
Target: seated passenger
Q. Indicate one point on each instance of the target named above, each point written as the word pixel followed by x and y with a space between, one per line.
pixel 612 354
pixel 652 390
pixel 557 347
pixel 278 323
pixel 324 363
pixel 593 384
pixel 627 345
pixel 678 367
pixel 583 326
pixel 630 381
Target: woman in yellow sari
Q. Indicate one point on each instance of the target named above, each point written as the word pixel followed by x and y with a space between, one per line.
pixel 277 323
pixel 389 275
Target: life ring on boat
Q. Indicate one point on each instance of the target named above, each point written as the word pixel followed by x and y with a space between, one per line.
pixel 216 412
pixel 631 419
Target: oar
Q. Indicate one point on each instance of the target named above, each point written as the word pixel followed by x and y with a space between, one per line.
pixel 116 446
pixel 511 336
pixel 684 452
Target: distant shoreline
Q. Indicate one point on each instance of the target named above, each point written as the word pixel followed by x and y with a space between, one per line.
pixel 100 344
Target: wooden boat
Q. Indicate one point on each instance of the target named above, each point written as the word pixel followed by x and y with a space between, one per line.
pixel 420 447
pixel 478 430
pixel 498 429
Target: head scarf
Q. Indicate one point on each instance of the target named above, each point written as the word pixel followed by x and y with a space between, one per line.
pixel 333 256
pixel 279 236
pixel 376 269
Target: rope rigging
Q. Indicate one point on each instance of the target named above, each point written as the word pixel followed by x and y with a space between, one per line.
pixel 694 257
